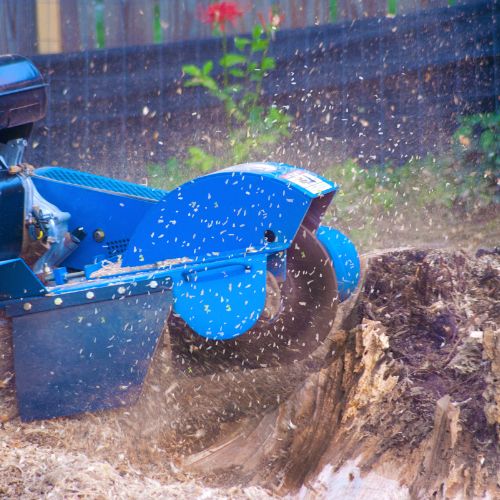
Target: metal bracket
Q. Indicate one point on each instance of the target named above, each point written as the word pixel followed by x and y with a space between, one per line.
pixel 12 153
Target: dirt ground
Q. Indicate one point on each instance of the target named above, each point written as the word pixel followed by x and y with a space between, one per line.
pixel 401 401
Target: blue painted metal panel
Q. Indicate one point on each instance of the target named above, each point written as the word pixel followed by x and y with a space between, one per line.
pixel 229 210
pixel 86 357
pixel 92 207
pixel 345 259
pixel 17 281
pixel 100 183
pixel 77 293
pixel 223 300
pixel 12 215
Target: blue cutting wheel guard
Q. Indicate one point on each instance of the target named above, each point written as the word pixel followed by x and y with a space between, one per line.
pixel 345 259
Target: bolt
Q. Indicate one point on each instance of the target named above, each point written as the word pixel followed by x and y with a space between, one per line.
pixel 99 235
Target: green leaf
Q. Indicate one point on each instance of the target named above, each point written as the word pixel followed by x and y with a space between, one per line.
pixel 472 120
pixel 241 43
pixel 237 72
pixel 209 83
pixel 166 176
pixel 255 115
pixel 241 151
pixel 191 69
pixel 269 138
pixel 260 45
pixel 203 81
pixel 232 59
pixel 464 130
pixel 173 164
pixel 275 115
pixel 233 111
pixel 255 72
pixel 487 139
pixel 257 75
pixel 248 98
pixel 277 122
pixel 155 170
pixel 200 160
pixel 208 67
pixel 257 31
pixel 268 63
pixel 490 120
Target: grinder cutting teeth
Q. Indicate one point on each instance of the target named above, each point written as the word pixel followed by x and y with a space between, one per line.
pixel 297 316
pixel 236 259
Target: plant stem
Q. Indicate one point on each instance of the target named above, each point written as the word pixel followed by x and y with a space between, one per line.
pixel 225 82
pixel 258 86
pixel 224 52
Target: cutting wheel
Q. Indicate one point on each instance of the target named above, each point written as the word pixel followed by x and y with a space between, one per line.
pixel 299 314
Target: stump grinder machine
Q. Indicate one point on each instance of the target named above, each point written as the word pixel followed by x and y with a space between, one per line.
pixel 92 268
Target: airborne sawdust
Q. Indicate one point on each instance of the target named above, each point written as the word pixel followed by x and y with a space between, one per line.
pixel 405 390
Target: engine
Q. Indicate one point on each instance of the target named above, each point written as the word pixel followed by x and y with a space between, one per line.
pixel 26 217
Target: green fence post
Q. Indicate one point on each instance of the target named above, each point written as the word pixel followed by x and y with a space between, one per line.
pixel 333 10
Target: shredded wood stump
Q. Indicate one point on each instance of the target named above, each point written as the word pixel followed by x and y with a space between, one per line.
pixel 401 401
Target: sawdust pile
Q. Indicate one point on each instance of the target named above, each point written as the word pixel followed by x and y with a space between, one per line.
pixel 402 399
pixel 110 268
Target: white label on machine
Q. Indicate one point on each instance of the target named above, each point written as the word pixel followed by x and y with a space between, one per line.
pixel 307 181
pixel 251 167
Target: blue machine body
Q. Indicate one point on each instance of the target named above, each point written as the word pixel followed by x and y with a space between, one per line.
pixel 97 203
pixel 202 250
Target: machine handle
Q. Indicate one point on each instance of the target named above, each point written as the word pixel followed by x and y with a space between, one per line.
pixel 217 272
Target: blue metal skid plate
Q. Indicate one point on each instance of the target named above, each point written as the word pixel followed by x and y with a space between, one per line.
pixel 85 357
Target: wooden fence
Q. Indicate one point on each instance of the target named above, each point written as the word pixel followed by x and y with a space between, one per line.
pixel 51 26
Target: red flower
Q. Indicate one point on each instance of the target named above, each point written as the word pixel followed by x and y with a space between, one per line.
pixel 276 17
pixel 218 14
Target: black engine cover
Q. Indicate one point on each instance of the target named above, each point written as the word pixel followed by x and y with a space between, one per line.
pixel 11 215
pixel 23 97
